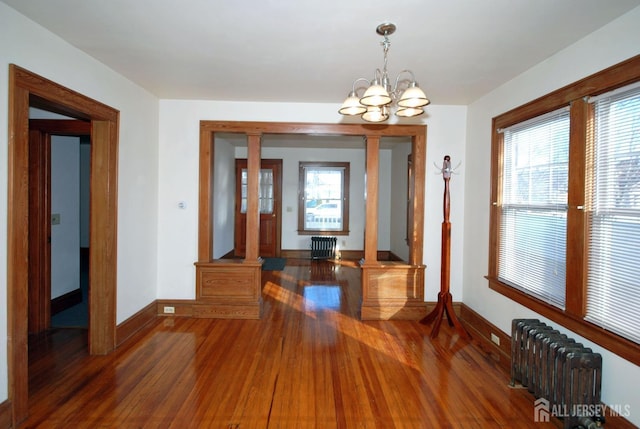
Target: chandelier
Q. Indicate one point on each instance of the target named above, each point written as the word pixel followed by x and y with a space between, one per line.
pixel 376 102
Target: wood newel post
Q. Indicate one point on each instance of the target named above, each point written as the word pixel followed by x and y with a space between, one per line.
pixel 444 306
pixel 253 209
pixel 371 206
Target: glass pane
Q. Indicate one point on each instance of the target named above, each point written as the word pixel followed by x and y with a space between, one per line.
pixel 323 198
pixel 265 191
pixel 613 290
pixel 532 252
pixel 243 191
pixel 532 248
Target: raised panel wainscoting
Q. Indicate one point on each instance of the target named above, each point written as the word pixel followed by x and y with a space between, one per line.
pixel 392 290
pixel 228 289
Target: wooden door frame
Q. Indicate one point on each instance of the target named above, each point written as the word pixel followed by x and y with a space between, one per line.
pixel 39 299
pixel 27 89
pixel 40 133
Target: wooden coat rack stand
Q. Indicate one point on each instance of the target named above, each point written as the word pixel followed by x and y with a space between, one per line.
pixel 445 301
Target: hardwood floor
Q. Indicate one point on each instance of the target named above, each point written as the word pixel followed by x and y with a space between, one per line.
pixel 308 363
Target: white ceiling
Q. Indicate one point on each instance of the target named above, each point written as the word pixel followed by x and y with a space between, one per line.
pixel 312 51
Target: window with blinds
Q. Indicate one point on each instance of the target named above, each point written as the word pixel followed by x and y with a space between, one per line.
pixel 613 279
pixel 565 216
pixel 533 206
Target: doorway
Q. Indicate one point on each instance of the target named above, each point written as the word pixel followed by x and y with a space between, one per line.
pixel 390 289
pixel 57 290
pixel 27 90
pixel 270 205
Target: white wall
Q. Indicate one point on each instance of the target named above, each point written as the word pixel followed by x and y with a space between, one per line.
pixel 65 202
pixel 30 46
pixel 611 44
pixel 223 198
pixel 445 136
pixel 398 203
pixel 85 191
pixel 385 175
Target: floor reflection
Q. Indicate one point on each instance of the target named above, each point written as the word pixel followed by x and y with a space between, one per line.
pixel 322 271
pixel 322 297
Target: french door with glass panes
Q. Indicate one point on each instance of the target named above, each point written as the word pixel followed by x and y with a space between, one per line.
pixel 270 205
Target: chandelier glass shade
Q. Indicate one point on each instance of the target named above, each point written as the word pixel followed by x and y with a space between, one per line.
pixel 379 96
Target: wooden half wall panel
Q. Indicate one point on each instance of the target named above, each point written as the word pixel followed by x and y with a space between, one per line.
pixel 392 290
pixel 228 289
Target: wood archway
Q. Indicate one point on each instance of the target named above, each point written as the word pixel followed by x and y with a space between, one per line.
pixel 26 90
pixel 389 289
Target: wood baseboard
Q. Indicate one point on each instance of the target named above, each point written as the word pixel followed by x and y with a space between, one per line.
pixel 181 307
pixel 430 305
pixel 351 255
pixel 295 254
pixel 391 256
pixel 392 312
pixel 6 418
pixel 227 311
pixel 481 331
pixel 193 308
pixel 133 324
pixel 65 301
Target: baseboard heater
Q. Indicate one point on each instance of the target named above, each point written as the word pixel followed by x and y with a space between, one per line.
pixel 323 247
pixel 564 375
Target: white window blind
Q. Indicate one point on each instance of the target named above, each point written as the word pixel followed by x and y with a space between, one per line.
pixel 532 247
pixel 613 280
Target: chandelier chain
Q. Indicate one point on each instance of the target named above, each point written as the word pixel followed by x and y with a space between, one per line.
pixel 386 43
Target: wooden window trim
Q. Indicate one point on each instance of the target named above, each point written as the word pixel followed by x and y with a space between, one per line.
pixel 573 95
pixel 345 196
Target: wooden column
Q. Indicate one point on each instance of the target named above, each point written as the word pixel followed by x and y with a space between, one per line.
pixel 416 237
pixel 205 212
pixel 227 288
pixel 102 240
pixel 371 205
pixel 253 209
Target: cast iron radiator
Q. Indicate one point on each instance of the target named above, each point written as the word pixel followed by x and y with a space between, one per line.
pixel 564 373
pixel 323 247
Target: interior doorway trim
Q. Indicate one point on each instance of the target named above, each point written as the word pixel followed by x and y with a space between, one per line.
pixel 28 89
pixel 417 133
